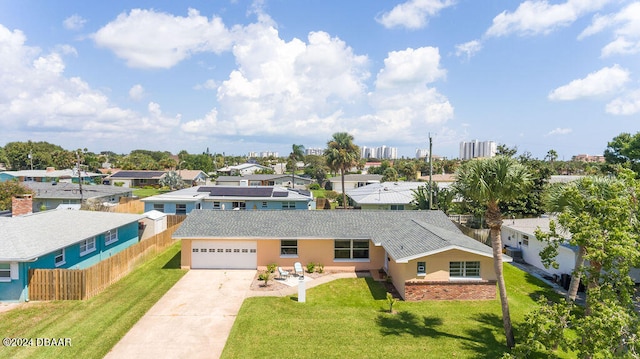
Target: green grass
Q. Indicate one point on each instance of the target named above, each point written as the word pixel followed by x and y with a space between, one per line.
pixel 348 318
pixel 96 325
pixel 148 192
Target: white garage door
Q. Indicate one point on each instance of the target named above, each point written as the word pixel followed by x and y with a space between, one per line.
pixel 223 255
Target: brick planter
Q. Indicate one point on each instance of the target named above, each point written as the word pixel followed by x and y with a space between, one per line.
pixel 458 290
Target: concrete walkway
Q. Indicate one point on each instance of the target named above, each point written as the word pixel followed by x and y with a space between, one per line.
pixel 310 284
pixel 192 320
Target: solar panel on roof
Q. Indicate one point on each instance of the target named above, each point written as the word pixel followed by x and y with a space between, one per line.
pixel 281 194
pixel 242 191
pixel 205 189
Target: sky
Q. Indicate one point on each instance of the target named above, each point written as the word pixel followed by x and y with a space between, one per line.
pixel 249 76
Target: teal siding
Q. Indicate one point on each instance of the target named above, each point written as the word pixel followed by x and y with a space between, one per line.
pixel 16 290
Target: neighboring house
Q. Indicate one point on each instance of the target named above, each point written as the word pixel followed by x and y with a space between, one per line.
pixel 58 239
pixel 229 198
pixel 443 180
pixel 385 195
pixel 52 194
pixel 519 234
pixel 50 175
pixel 264 180
pixel 353 181
pixel 131 179
pixel 192 178
pixel 423 252
pixel 243 169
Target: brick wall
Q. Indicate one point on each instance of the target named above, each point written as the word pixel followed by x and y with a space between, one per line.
pixel 458 290
pixel 21 205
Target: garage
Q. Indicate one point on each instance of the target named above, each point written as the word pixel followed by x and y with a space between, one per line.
pixel 224 255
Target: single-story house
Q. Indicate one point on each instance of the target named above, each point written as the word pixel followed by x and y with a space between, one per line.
pixel 385 195
pixel 58 239
pixel 49 195
pixel 134 178
pixel 243 169
pixel 193 177
pixel 50 175
pixel 353 181
pixel 442 180
pixel 423 252
pixel 229 198
pixel 282 180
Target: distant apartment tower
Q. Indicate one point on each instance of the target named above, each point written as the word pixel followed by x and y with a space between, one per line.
pixel 264 154
pixel 382 152
pixel 475 149
pixel 314 151
pixel 587 158
pixel 422 153
pixel 252 154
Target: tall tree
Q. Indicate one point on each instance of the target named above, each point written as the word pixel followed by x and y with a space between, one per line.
pixel 297 154
pixel 9 189
pixel 490 181
pixel 342 154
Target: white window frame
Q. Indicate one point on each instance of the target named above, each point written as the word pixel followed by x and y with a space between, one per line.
pixel 288 247
pixel 7 270
pixel 60 253
pixel 422 273
pixel 288 205
pixel 183 208
pixel 240 205
pixel 466 271
pixel 89 245
pixel 216 204
pixel 351 249
pixel 110 236
pixel 158 207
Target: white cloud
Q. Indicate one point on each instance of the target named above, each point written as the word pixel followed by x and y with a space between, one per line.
pixel 604 81
pixel 627 105
pixel 74 22
pixel 535 17
pixel 559 131
pixel 36 97
pixel 468 49
pixel 410 67
pixel 626 25
pixel 210 84
pixel 136 93
pixel 150 39
pixel 413 14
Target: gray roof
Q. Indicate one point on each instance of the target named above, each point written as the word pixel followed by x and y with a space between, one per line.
pixel 405 235
pixel 27 237
pixel 357 178
pixel 66 190
pixel 385 193
pixel 258 177
pixel 196 193
pixel 126 174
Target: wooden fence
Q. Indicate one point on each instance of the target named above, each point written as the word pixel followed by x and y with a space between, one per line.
pixel 77 284
pixel 135 206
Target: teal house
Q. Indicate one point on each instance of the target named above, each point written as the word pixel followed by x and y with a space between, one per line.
pixel 244 197
pixel 58 239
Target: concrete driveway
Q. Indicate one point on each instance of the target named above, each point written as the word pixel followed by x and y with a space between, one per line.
pixel 192 320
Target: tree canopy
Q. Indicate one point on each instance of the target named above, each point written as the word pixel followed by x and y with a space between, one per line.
pixel 341 155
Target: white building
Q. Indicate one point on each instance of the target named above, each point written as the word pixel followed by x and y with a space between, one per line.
pixel 476 149
pixel 314 151
pixel 422 153
pixel 382 152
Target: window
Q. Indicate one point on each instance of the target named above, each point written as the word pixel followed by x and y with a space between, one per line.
pixel 5 272
pixel 220 250
pixel 87 246
pixel 212 250
pixel 159 207
pixel 58 258
pixel 236 250
pixel 351 249
pixel 181 208
pixel 264 204
pixel 525 240
pixel 216 205
pixel 110 237
pixel 422 268
pixel 195 250
pixel 289 247
pixel 239 205
pixel 288 205
pixel 397 207
pixel 464 269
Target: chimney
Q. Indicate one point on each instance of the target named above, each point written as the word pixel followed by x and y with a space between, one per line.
pixel 22 204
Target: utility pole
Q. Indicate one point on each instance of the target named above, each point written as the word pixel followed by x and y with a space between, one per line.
pixel 430 172
pixel 31 158
pixel 79 176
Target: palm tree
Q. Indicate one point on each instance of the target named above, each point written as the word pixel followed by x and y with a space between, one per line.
pixel 490 181
pixel 342 154
pixel 297 154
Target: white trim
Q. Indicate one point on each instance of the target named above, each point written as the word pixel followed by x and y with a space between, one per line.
pixel 86 246
pixel 505 258
pixel 9 278
pixel 113 240
pixel 63 261
pixel 289 256
pixel 15 273
pixel 462 279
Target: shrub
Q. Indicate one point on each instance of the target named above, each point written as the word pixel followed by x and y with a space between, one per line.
pixel 272 267
pixel 391 301
pixel 118 184
pixel 320 268
pixel 314 186
pixel 265 277
pixel 310 267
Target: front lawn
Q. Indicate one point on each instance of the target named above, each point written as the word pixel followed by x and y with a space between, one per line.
pixel 96 325
pixel 148 192
pixel 348 319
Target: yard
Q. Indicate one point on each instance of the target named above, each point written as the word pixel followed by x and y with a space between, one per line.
pixel 348 318
pixel 96 325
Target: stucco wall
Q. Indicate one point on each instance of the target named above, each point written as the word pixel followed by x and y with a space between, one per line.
pixel 531 253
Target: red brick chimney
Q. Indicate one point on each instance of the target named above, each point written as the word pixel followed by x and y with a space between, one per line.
pixel 22 204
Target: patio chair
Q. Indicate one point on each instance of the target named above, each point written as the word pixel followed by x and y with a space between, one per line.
pixel 283 273
pixel 298 269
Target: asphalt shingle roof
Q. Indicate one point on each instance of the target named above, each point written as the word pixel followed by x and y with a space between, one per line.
pixel 404 234
pixel 26 237
pixel 72 190
pixel 137 174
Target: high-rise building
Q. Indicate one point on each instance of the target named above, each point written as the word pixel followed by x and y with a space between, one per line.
pixel 476 149
pixel 422 153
